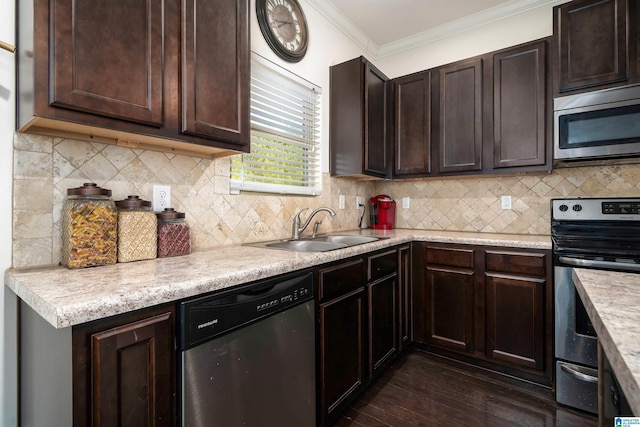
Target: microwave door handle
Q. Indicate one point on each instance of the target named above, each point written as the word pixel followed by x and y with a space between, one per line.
pixel 579 375
pixel 576 262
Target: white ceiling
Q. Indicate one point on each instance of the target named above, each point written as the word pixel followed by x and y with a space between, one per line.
pixel 385 27
pixel 386 21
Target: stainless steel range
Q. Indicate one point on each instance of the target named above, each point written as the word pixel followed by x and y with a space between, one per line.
pixel 587 233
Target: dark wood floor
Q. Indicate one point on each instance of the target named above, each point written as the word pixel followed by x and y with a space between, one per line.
pixel 425 390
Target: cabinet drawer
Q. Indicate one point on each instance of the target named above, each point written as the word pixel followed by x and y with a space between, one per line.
pixel 455 257
pixel 527 263
pixel 340 279
pixel 382 264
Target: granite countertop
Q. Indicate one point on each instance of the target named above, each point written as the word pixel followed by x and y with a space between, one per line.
pixel 65 297
pixel 612 300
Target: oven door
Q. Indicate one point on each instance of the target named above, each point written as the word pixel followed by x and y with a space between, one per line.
pixel 575 338
pixel 576 346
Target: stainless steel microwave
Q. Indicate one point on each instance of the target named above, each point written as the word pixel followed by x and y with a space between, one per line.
pixel 599 124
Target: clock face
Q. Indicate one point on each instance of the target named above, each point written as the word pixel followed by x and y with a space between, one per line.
pixel 284 27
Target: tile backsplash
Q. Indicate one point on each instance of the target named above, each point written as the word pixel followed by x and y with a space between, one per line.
pixel 44 167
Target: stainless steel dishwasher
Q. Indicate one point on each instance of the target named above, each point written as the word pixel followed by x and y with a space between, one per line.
pixel 248 355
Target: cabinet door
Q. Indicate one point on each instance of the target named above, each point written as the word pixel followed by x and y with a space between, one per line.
pixel 106 58
pixel 124 372
pixel 520 107
pixel 342 350
pixel 358 139
pixel 449 298
pixel 404 278
pixel 412 142
pixel 376 144
pixel 634 40
pixel 515 320
pixel 460 117
pixel 216 69
pixel 383 322
pixel 592 43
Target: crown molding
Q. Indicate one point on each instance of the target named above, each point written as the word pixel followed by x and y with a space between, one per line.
pixel 480 19
pixel 496 13
pixel 345 25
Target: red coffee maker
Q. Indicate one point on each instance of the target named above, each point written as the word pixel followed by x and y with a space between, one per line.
pixel 382 212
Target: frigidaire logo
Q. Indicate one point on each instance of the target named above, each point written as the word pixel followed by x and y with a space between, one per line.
pixel 207 324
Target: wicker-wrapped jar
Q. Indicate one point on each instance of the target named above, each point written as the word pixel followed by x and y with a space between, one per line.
pixel 89 227
pixel 174 237
pixel 137 227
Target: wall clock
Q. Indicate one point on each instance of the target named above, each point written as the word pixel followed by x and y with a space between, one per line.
pixel 284 27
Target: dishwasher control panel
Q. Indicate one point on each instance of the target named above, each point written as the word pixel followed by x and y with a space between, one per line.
pixel 204 318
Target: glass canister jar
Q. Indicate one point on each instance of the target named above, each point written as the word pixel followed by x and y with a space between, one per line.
pixel 173 234
pixel 89 227
pixel 137 226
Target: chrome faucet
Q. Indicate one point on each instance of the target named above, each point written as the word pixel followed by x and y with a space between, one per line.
pixel 297 229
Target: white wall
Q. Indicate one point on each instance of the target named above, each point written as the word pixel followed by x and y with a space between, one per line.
pixel 534 24
pixel 327 46
pixel 8 364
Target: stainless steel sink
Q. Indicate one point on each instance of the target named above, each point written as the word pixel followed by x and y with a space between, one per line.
pixel 305 245
pixel 316 244
pixel 347 240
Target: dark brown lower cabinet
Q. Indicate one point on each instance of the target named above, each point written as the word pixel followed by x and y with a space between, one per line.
pixel 342 358
pixel 515 320
pixel 342 335
pixel 486 305
pixel 123 370
pixel 404 280
pixel 449 300
pixel 383 322
pixel 359 325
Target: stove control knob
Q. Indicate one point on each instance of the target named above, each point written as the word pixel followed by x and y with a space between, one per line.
pixel 577 208
pixel 563 208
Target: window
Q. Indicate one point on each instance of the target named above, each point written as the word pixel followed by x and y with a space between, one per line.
pixel 285 134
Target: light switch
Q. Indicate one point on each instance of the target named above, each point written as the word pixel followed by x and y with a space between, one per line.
pixel 406 202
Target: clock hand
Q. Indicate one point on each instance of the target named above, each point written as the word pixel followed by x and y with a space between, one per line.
pixel 281 23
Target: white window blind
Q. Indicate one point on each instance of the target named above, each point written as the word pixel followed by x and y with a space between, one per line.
pixel 285 134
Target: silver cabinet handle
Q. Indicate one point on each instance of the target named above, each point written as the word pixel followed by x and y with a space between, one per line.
pixel 579 375
pixel 577 262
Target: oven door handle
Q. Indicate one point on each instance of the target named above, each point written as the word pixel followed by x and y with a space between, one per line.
pixel 579 375
pixel 577 262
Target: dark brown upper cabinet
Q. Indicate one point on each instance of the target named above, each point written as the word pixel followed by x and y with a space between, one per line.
pixel 459 117
pixel 147 74
pixel 412 125
pixel 520 124
pixel 634 40
pixel 358 120
pixel 492 113
pixel 592 46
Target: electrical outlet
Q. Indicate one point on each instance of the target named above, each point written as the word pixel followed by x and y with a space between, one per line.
pixel 161 197
pixel 358 202
pixel 406 202
pixel 341 199
pixel 506 202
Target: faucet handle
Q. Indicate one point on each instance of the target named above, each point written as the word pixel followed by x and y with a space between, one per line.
pixel 300 213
